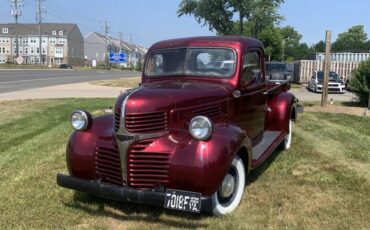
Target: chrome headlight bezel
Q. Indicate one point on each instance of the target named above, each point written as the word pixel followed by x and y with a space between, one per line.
pixel 201 128
pixel 80 120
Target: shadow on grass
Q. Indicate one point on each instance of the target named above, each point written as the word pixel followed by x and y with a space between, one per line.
pixel 257 172
pixel 123 211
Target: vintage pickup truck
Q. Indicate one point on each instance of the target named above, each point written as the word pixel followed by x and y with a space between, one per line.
pixel 186 138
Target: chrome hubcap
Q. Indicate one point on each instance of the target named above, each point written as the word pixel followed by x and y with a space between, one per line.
pixel 227 186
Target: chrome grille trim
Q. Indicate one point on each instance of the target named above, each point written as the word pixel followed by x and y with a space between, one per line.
pixel 124 138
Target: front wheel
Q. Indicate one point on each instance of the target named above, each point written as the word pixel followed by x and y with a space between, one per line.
pixel 229 194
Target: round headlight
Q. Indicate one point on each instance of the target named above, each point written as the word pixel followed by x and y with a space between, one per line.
pixel 200 128
pixel 80 120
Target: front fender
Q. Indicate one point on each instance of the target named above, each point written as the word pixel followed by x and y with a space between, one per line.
pixel 201 165
pixel 81 147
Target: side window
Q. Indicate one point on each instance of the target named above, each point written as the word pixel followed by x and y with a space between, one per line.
pixel 251 66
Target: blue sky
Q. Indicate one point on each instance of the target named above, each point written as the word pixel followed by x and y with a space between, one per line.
pixel 150 21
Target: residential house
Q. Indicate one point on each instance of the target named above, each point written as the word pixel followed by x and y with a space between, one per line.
pixel 97 45
pixel 60 43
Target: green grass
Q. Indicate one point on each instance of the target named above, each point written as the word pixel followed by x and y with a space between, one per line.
pixel 322 182
pixel 28 66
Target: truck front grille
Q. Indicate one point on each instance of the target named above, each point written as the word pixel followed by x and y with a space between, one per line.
pixel 108 163
pixel 116 121
pixel 147 169
pixel 210 112
pixel 146 122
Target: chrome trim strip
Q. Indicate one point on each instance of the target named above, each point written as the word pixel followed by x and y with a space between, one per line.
pixel 123 145
pixel 125 139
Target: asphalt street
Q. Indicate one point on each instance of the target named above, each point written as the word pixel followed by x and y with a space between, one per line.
pixel 16 80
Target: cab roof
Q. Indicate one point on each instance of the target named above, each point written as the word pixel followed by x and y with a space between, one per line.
pixel 243 42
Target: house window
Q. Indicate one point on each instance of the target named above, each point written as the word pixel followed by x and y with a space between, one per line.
pixel 38 50
pixel 24 40
pixel 26 50
pixel 61 41
pixel 21 50
pixel 58 50
pixel 5 30
pixel 52 40
pixel 54 32
pixel 60 32
pixel 32 50
pixel 43 50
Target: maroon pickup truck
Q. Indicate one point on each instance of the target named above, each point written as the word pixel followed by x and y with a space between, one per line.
pixel 186 138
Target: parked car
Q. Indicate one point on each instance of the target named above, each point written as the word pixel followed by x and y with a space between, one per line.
pixel 188 136
pixel 278 73
pixel 336 84
pixel 65 66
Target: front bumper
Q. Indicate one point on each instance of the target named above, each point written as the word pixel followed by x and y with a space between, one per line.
pixel 331 89
pixel 124 194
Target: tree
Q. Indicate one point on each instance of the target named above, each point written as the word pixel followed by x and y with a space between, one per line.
pixel 272 40
pixel 360 83
pixel 290 43
pixel 219 14
pixel 263 13
pixel 214 13
pixel 353 40
pixel 319 47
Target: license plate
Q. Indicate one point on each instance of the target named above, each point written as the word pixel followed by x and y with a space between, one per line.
pixel 182 200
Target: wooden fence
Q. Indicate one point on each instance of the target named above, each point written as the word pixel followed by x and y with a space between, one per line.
pixel 304 69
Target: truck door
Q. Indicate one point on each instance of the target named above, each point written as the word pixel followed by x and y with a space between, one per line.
pixel 250 106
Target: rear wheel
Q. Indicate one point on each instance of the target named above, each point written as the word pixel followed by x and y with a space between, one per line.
pixel 285 144
pixel 229 194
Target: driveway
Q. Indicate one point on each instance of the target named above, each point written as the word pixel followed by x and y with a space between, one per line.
pixel 303 94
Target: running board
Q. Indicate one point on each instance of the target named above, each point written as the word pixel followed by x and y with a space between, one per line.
pixel 271 139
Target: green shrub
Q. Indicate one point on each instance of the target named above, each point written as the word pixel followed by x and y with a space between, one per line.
pixel 360 82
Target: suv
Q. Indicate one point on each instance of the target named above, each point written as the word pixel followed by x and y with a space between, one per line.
pixel 336 84
pixel 188 136
pixel 278 73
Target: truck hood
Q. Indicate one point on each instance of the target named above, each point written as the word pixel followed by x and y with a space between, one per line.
pixel 168 95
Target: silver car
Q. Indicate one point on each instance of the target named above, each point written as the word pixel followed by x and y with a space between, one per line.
pixel 336 85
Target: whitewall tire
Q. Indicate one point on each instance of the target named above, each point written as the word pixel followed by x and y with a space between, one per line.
pixel 228 196
pixel 285 144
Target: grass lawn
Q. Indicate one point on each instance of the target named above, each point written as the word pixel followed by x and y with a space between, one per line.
pixel 322 182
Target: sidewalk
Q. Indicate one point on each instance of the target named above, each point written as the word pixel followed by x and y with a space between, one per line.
pixel 79 90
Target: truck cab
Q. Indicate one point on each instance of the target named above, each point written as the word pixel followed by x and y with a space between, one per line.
pixel 186 138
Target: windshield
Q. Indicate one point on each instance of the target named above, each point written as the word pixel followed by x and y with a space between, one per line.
pixel 212 62
pixel 275 67
pixel 333 76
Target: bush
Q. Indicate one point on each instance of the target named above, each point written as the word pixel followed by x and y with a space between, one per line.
pixel 360 82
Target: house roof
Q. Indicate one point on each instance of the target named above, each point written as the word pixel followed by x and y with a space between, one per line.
pixel 29 29
pixel 116 42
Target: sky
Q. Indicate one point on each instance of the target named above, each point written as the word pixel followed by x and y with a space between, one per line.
pixel 149 21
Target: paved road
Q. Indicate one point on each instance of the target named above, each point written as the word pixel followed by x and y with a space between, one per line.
pixel 16 80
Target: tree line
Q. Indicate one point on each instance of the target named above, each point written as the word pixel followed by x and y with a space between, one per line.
pixel 260 19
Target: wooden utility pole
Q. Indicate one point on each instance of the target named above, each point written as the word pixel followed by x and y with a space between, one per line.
pixel 106 31
pixel 16 13
pixel 324 96
pixel 39 21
